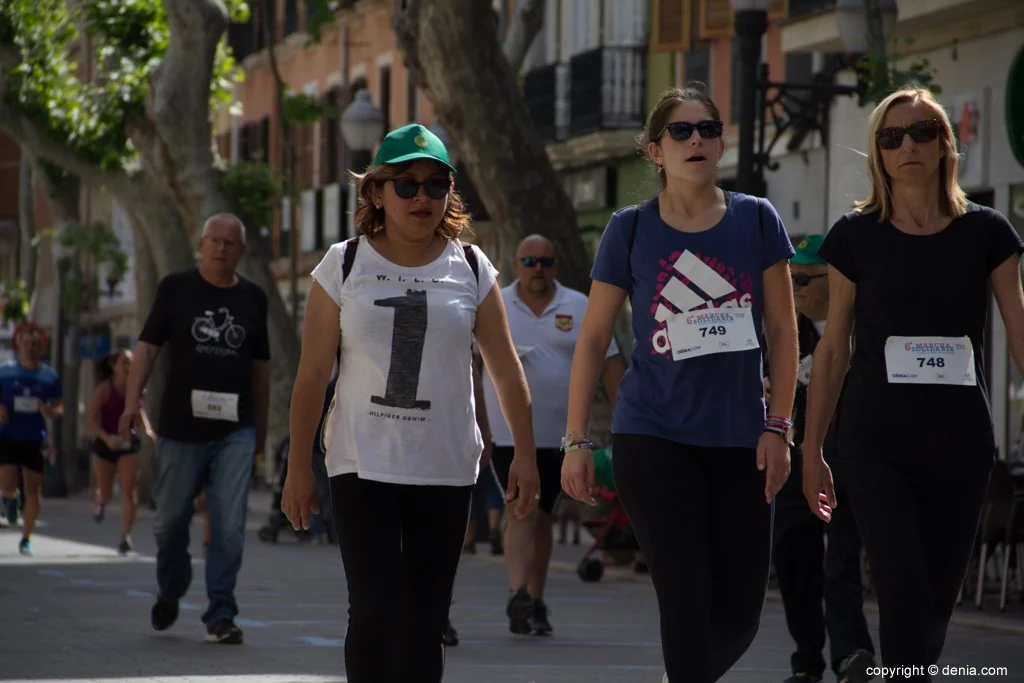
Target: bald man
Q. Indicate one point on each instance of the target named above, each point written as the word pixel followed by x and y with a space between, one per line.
pixel 544 318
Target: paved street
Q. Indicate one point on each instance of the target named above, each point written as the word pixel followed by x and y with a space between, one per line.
pixel 77 612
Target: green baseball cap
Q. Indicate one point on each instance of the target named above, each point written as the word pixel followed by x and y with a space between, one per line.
pixel 409 143
pixel 807 251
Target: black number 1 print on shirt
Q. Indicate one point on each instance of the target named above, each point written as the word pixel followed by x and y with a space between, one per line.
pixel 408 334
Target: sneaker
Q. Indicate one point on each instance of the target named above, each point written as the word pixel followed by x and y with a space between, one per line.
pixel 224 632
pixel 164 614
pixel 12 510
pixel 520 610
pixel 125 546
pixel 451 636
pixel 98 511
pixel 855 668
pixel 664 679
pixel 801 677
pixel 3 519
pixel 539 623
pixel 25 548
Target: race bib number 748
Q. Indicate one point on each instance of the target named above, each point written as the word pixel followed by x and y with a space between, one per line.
pixel 930 360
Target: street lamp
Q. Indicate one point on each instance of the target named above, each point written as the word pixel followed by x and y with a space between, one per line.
pixel 799 106
pixel 362 125
pixel 852 22
pixel 57 485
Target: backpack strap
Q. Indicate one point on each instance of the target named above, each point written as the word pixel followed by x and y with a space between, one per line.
pixel 350 257
pixel 471 258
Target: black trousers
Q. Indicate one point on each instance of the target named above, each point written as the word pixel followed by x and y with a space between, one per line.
pixel 701 520
pixel 809 572
pixel 401 546
pixel 918 523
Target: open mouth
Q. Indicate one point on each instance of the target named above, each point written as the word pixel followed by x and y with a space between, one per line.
pixel 696 158
pixel 422 214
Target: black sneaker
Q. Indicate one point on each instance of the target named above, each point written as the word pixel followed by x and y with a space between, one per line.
pixel 224 632
pixel 800 677
pixel 98 511
pixel 855 668
pixel 494 536
pixel 164 614
pixel 539 623
pixel 519 611
pixel 125 546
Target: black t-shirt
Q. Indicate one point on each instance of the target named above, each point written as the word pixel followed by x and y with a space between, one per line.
pixel 213 336
pixel 917 286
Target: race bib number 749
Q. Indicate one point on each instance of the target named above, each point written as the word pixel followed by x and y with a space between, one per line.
pixel 930 360
pixel 718 330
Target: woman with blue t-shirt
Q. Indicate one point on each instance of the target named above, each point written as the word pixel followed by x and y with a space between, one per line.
pixel 697 460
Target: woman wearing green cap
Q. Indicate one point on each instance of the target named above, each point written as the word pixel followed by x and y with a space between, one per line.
pixel 910 269
pixel 399 306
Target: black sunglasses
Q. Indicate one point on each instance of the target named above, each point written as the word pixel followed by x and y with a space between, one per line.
pixel 683 130
pixel 920 132
pixel 534 261
pixel 407 188
pixel 803 279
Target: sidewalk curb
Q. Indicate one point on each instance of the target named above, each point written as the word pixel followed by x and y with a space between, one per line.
pixel 981 622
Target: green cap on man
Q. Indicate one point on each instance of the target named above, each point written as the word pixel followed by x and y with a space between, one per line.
pixel 807 251
pixel 410 143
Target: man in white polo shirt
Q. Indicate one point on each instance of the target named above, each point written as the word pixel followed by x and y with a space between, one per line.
pixel 544 318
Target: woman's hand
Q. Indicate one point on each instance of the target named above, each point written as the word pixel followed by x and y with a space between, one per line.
pixel 298 500
pixel 578 475
pixel 523 482
pixel 819 490
pixel 773 460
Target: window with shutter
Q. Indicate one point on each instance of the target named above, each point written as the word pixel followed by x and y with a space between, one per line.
pixel 670 25
pixel 716 17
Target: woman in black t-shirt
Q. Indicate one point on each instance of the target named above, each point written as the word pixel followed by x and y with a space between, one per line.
pixel 910 269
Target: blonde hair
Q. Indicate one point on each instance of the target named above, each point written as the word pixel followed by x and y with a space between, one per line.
pixel 952 199
pixel 369 220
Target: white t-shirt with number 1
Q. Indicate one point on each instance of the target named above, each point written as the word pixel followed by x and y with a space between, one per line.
pixel 404 408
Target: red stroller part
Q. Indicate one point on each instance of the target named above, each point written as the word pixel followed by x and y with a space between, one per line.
pixel 609 525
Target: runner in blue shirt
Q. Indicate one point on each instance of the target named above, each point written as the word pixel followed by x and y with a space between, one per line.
pixel 29 395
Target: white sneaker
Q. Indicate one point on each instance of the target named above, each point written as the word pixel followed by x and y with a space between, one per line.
pixel 664 679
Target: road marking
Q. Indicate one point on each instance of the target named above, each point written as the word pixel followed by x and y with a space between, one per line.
pixel 48 550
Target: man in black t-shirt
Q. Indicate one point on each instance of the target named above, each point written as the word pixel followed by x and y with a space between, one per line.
pixel 212 421
pixel 807 572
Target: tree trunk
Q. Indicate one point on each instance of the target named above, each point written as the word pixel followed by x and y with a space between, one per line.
pixel 452 47
pixel 26 223
pixel 146 280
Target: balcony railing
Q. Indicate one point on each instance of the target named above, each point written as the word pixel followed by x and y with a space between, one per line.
pixel 799 7
pixel 539 94
pixel 606 90
pixel 601 89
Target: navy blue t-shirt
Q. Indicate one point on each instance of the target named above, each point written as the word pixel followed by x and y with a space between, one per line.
pixel 21 391
pixel 714 400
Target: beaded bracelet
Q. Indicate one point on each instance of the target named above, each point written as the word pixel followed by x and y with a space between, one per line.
pixel 779 426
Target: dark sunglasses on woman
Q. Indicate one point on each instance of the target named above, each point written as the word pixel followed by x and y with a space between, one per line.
pixel 436 188
pixel 920 132
pixel 682 130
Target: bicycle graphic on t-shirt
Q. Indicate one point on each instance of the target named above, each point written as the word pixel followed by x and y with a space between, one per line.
pixel 205 329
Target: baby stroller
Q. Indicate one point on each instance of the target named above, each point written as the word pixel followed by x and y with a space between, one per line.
pixel 277 520
pixel 607 521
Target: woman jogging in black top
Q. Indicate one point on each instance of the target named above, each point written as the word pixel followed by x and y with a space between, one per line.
pixel 909 269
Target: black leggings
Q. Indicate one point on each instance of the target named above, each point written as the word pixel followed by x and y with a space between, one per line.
pixel 701 520
pixel 918 524
pixel 401 547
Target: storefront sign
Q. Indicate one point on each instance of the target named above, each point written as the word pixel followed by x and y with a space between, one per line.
pixel 1015 106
